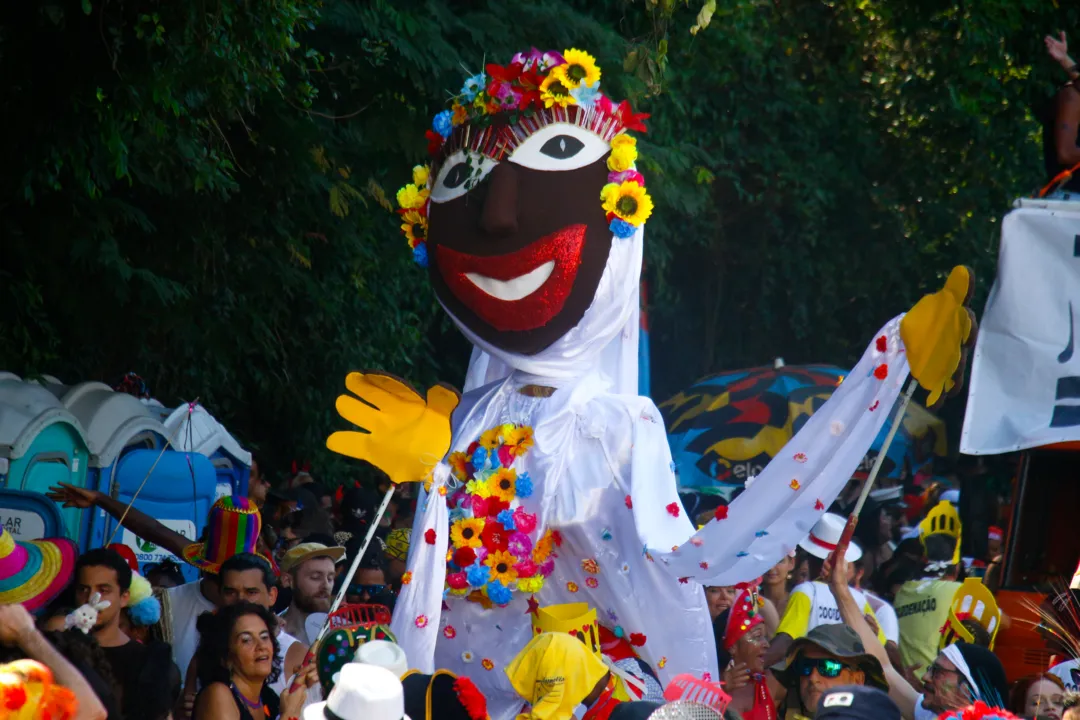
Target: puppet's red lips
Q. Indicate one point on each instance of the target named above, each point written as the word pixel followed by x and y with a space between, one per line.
pixel 522 290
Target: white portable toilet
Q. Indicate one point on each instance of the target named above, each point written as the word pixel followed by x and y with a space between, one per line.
pixel 200 432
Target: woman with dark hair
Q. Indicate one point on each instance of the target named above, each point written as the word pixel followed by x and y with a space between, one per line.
pixel 741 643
pixel 237 660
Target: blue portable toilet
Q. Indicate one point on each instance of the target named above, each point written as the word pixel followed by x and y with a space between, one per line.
pixel 178 493
pixel 41 444
pixel 115 424
pixel 195 429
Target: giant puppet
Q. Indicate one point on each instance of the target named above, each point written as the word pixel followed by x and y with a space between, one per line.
pixel 551 483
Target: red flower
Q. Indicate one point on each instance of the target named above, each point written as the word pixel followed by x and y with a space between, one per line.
pixel 673 509
pixel 875 405
pixel 721 512
pixel 704 565
pixel 818 505
pixel 434 142
pixel 464 557
pixel 629 503
pixel 505 73
pixel 471 698
pixel 882 344
pixel 881 371
pixel 630 119
pixel 556 537
pixel 637 639
pixel 496 506
pixel 429 536
pixel 684 580
pixel 494 536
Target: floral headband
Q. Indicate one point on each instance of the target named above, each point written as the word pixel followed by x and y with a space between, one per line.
pixel 533 92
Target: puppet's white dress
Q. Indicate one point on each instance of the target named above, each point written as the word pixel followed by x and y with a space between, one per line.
pixel 602 477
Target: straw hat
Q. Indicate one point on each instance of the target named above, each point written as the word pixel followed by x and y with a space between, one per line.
pixel 34 572
pixel 303 552
pixel 824 537
pixel 232 527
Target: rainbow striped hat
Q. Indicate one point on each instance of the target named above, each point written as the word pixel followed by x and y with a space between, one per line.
pixel 232 527
pixel 34 572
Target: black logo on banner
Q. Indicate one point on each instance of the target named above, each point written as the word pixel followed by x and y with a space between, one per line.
pixel 1068 388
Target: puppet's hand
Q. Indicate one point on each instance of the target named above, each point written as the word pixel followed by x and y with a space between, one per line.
pixel 404 436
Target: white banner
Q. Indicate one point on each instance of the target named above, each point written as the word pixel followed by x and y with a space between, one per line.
pixel 1025 376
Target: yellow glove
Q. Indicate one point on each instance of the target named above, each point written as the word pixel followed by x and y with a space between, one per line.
pixel 404 436
pixel 936 334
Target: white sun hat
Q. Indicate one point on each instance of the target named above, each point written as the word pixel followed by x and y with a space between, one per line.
pixel 825 535
pixel 384 654
pixel 363 692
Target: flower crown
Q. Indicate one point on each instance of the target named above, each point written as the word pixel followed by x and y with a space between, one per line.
pixel 533 91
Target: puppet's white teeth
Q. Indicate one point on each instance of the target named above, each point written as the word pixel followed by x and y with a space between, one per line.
pixel 516 288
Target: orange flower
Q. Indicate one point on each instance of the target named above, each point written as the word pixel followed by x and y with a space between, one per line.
pixel 488 665
pixel 519 440
pixel 406 578
pixel 590 566
pixel 572 587
pixel 794 484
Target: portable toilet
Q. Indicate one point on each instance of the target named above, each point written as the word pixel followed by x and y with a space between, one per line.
pixel 115 424
pixel 41 444
pixel 178 492
pixel 200 432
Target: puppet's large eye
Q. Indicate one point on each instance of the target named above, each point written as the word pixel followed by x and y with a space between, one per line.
pixel 459 174
pixel 560 146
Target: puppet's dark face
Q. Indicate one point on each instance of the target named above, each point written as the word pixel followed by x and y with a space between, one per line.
pixel 516 249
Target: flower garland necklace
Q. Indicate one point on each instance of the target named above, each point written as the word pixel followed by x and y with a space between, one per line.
pixel 494 549
pixel 534 90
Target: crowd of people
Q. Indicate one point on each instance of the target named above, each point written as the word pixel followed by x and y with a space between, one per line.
pixel 874 633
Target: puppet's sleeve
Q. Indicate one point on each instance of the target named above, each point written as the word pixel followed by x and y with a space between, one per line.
pixel 776 511
pixel 419 605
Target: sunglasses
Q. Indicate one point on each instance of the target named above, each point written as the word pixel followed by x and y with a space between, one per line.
pixel 826 667
pixel 369 589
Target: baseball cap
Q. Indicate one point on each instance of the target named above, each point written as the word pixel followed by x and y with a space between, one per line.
pixel 306 551
pixel 856 702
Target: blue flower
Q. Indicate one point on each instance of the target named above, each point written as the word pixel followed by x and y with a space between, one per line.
pixel 443 123
pixel 619 632
pixel 479 458
pixel 498 593
pixel 507 519
pixel 524 486
pixel 478 575
pixel 761 533
pixel 419 255
pixel 605 535
pixel 741 553
pixel 622 229
pixel 473 86
pixel 586 95
pixel 456 514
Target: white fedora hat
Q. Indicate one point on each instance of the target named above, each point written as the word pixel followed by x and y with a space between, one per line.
pixel 825 535
pixel 363 692
pixel 384 654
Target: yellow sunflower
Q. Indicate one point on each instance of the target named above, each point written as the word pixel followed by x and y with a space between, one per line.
pixel 519 440
pixel 555 89
pixel 491 439
pixel 580 67
pixel 466 533
pixel 503 484
pixel 459 463
pixel 629 201
pixel 421 174
pixel 412 197
pixel 502 566
pixel 414 225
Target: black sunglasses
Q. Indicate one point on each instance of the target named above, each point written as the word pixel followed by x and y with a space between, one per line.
pixel 829 668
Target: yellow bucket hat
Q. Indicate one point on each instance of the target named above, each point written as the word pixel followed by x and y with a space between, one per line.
pixel 554 673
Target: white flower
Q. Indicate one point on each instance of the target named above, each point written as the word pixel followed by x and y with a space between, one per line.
pixel 836 428
pixel 467 657
pixel 749 481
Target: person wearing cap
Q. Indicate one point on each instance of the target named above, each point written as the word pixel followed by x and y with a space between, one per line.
pixel 397 553
pixel 922 604
pixel 856 702
pixel 741 642
pixel 829 656
pixel 309 569
pixel 232 526
pixel 558 677
pixel 960 674
pixel 812 604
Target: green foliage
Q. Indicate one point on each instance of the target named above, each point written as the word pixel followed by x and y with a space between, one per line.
pixel 199 191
